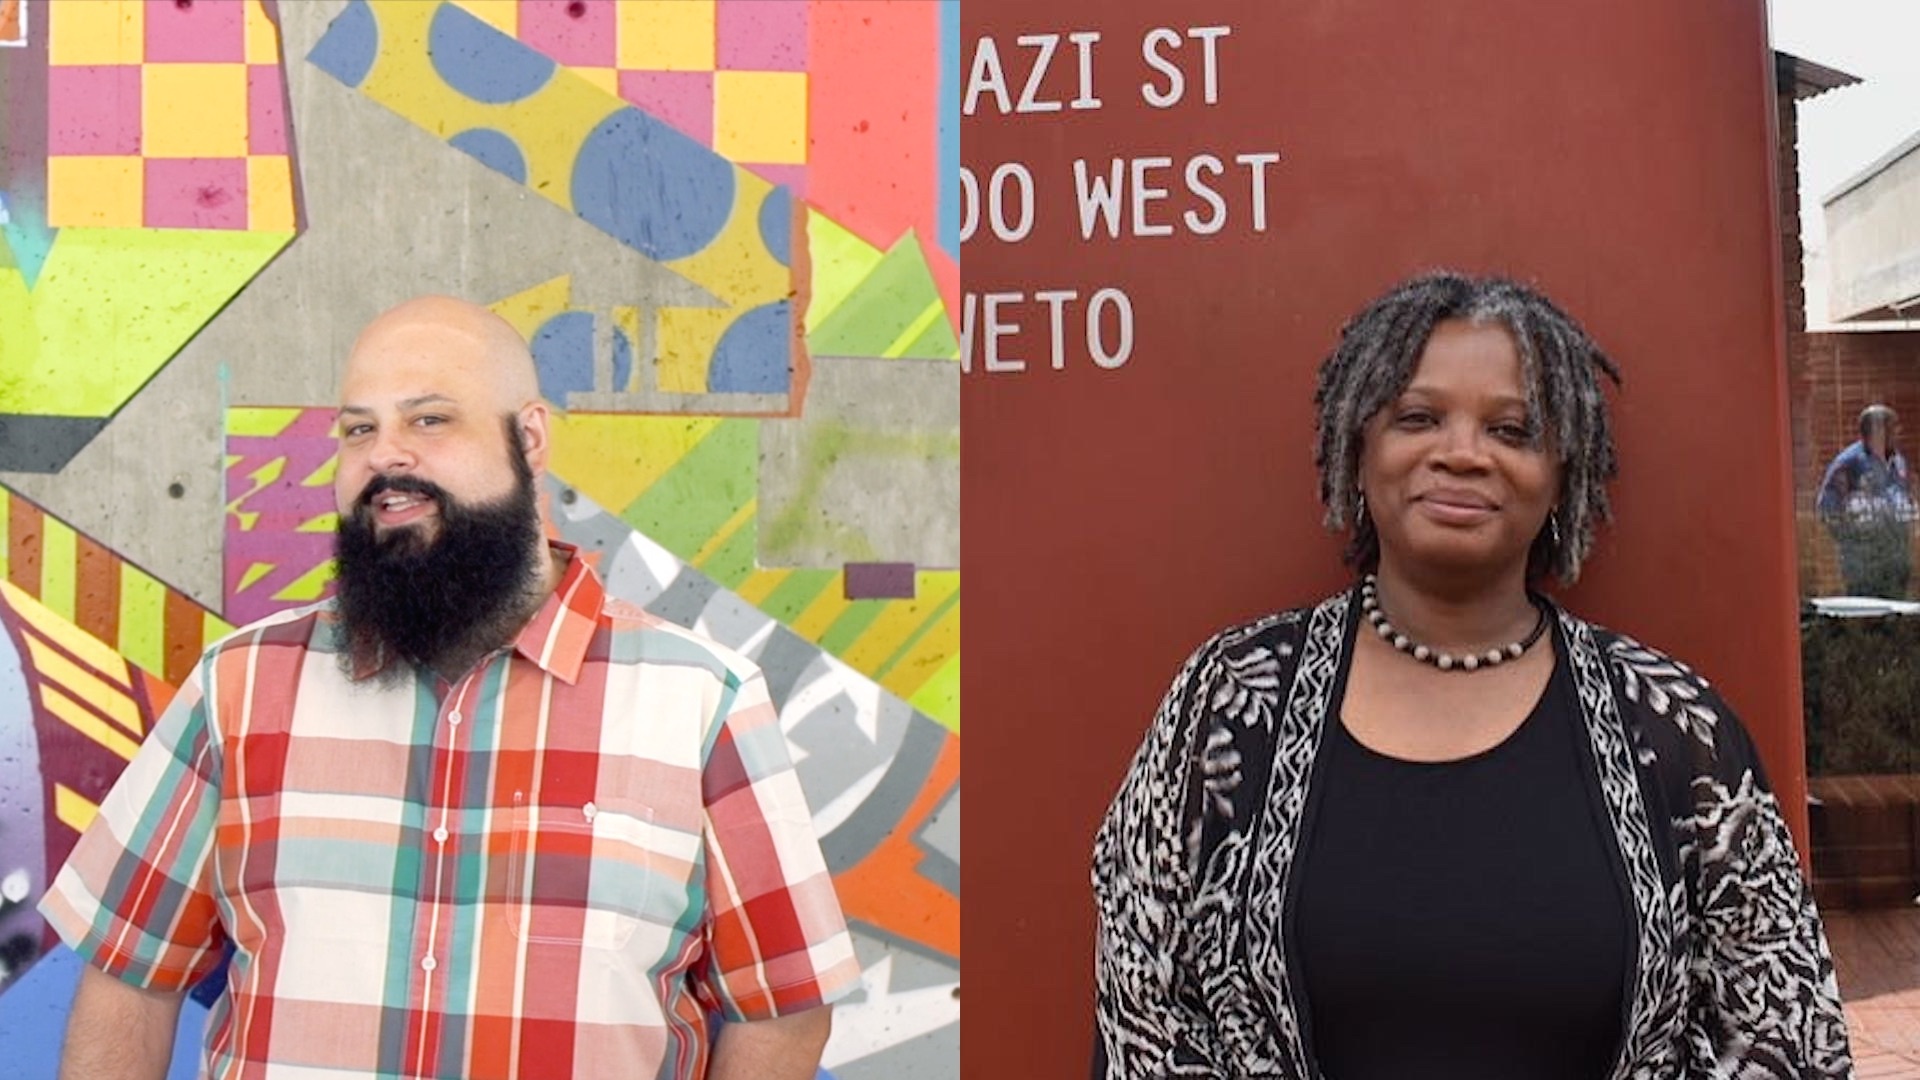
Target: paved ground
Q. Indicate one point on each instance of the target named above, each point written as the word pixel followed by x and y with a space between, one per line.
pixel 1877 956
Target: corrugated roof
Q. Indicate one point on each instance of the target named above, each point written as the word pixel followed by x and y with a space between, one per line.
pixel 1807 78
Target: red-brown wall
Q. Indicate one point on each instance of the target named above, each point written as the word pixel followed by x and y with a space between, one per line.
pixel 1618 152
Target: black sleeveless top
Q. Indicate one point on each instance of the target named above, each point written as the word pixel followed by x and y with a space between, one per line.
pixel 1463 918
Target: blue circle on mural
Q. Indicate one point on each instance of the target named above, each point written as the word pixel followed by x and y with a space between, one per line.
pixel 563 354
pixel 481 62
pixel 754 355
pixel 494 149
pixel 776 223
pixel 650 187
pixel 348 48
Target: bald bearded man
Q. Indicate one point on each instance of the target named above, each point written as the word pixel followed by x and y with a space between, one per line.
pixel 470 818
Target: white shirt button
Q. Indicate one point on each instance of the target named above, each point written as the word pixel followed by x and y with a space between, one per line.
pixel 455 718
pixel 440 835
pixel 428 964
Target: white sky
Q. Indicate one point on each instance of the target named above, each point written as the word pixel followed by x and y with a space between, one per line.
pixel 1843 131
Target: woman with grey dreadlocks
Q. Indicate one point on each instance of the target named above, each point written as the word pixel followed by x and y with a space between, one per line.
pixel 1437 826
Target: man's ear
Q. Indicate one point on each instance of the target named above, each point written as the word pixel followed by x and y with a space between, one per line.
pixel 533 420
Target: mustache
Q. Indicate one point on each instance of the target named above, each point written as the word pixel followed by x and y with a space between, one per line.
pixel 402 483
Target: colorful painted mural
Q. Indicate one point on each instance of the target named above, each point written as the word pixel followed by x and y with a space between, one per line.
pixel 726 228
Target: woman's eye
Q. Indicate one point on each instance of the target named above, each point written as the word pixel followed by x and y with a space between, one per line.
pixel 1517 434
pixel 1414 418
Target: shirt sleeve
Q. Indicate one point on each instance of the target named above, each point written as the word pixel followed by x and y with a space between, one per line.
pixel 1834 486
pixel 776 941
pixel 135 898
pixel 1765 1001
pixel 1150 1019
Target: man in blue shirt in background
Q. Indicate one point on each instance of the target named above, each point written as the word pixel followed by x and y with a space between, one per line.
pixel 1867 502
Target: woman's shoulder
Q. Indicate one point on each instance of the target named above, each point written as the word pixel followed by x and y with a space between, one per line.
pixel 1676 715
pixel 1272 640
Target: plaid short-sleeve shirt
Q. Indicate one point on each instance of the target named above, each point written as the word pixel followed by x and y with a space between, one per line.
pixel 561 865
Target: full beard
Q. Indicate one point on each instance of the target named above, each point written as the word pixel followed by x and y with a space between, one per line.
pixel 438 601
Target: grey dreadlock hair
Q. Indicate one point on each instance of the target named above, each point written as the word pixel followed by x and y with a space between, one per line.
pixel 1378 351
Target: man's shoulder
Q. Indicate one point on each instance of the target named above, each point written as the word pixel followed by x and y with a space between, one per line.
pixel 307 626
pixel 639 636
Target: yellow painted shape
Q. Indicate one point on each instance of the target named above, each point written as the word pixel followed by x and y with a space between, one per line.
pixel 924 660
pixel 725 533
pixel 253 575
pixel 605 78
pixel 126 300
pixel 101 192
pixel 308 587
pixel 828 606
pixel 548 125
pixel 59 548
pixel 760 585
pixel 934 312
pixel 760 116
pixel 193 110
pixel 56 669
pixel 62 631
pixel 79 719
pixel 320 523
pixel 95 32
pixel 939 696
pixel 613 459
pixel 687 340
pixel 143 608
pixel 263 39
pixel 502 15
pixel 841 261
pixel 213 628
pixel 270 192
pixel 736 267
pixel 260 421
pixel 527 309
pixel 666 35
pixel 884 635
pixel 74 810
pixel 322 476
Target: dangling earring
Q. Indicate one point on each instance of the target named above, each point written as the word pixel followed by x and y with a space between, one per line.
pixel 1359 507
pixel 1553 527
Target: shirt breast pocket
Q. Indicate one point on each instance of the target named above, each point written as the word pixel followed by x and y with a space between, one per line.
pixel 578 875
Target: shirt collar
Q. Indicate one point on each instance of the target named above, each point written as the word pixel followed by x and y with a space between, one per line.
pixel 557 637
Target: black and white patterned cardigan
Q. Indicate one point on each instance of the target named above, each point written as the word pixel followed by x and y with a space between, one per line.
pixel 1192 880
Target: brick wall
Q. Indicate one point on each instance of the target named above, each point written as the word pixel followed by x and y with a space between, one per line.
pixel 1842 374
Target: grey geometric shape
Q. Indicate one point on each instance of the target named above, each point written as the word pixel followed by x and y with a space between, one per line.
pixel 685 598
pixel 925 1057
pixel 116 489
pixel 870 472
pixel 940 839
pixel 784 658
pixel 44 444
pixel 876 818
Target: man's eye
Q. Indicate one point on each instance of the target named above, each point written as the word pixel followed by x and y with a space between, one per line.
pixel 430 421
pixel 356 430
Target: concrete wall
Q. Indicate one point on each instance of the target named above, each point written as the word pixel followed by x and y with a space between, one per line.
pixel 752 351
pixel 1873 239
